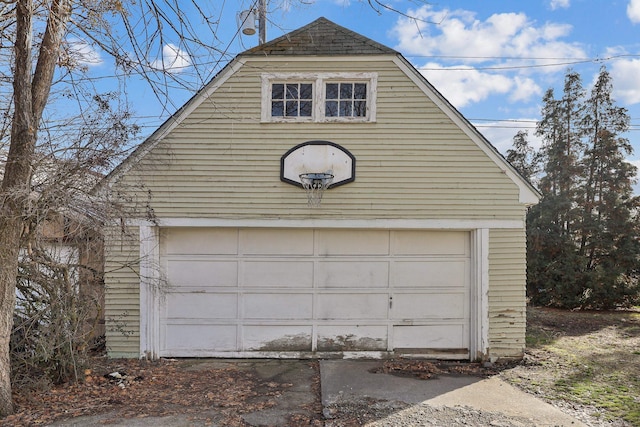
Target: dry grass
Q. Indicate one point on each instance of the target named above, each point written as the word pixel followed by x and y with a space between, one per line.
pixel 586 362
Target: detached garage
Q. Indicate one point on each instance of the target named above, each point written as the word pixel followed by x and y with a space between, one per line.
pixel 317 201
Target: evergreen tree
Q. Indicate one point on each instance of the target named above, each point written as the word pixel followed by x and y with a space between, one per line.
pixel 582 243
pixel 523 157
pixel 552 274
pixel 607 253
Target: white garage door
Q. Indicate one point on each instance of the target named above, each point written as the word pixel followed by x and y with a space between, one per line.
pixel 234 291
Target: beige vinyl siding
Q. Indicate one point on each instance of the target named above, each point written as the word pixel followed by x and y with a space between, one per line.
pixel 222 162
pixel 122 299
pixel 507 301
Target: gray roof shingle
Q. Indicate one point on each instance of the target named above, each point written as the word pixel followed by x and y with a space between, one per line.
pixel 321 37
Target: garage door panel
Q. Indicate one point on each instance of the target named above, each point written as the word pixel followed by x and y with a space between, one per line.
pixel 202 272
pixel 429 274
pixel 352 242
pixel 277 338
pixel 352 338
pixel 440 243
pixel 429 306
pixel 445 336
pixel 276 242
pixel 183 337
pixel 201 306
pixel 352 274
pixel 199 241
pixel 277 274
pixel 277 306
pixel 352 306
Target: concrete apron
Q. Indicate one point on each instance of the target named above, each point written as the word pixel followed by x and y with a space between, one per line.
pixel 345 380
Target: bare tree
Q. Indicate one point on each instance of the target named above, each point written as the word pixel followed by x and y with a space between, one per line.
pixel 30 94
pixel 59 282
pixel 47 33
pixel 44 45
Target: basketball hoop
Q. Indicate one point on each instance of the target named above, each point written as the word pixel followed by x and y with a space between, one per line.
pixel 315 184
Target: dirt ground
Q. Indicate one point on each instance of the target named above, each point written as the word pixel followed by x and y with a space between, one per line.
pixel 586 363
pixel 569 356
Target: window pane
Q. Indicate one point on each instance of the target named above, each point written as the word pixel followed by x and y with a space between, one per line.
pixel 331 109
pixel 332 90
pixel 305 91
pixel 292 108
pixel 277 108
pixel 292 100
pixel 277 91
pixel 360 91
pixel 305 108
pixel 345 109
pixel 292 91
pixel 346 90
pixel 360 109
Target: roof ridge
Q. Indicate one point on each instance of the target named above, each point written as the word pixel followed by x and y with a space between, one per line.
pixel 321 37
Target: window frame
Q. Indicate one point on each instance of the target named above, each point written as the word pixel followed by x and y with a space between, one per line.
pixel 342 99
pixel 318 87
pixel 285 100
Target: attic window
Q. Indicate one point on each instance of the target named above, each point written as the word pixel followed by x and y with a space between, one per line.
pixel 291 99
pixel 326 97
pixel 346 99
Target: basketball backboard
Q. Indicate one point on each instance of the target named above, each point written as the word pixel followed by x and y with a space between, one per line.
pixel 318 157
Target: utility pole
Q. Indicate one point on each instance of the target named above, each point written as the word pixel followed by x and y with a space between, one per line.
pixel 262 21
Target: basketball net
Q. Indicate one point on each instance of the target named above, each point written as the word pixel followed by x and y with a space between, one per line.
pixel 315 184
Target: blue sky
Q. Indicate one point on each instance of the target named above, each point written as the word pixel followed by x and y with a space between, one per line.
pixel 492 59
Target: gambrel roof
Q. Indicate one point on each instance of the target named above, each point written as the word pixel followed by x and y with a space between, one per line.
pixel 325 38
pixel 321 37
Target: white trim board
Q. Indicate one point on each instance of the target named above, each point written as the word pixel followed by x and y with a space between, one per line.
pixel 423 224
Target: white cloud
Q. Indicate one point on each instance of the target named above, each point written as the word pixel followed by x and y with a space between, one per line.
pixel 559 4
pixel 633 11
pixel 458 31
pixel 466 85
pixel 462 87
pixel 524 89
pixel 500 35
pixel 626 86
pixel 174 60
pixel 509 47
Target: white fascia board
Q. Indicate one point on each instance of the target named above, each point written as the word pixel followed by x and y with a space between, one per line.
pixel 174 121
pixel 528 195
pixel 390 224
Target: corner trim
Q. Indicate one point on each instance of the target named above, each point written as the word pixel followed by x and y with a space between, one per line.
pixel 479 315
pixel 150 276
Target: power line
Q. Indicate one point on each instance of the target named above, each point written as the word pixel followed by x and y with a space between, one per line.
pixel 561 61
pixel 505 67
pixel 532 58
